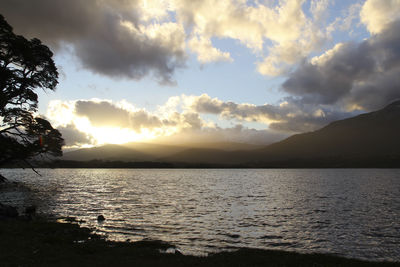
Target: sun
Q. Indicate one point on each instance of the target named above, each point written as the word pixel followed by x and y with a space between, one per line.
pixel 103 132
pixel 113 135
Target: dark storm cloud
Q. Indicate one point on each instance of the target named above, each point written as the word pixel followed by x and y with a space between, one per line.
pixel 103 113
pixel 74 137
pixel 377 91
pixel 364 75
pixel 101 43
pixel 108 115
pixel 141 119
pixel 51 21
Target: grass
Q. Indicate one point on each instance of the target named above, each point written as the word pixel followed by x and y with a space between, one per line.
pixel 42 242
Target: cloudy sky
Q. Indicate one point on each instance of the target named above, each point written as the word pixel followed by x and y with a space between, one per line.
pixel 211 70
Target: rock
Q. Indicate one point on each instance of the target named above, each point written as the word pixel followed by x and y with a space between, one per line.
pixel 70 219
pixel 8 211
pixel 30 213
pixel 172 250
pixel 2 179
pixel 100 218
pixel 178 252
pixel 31 210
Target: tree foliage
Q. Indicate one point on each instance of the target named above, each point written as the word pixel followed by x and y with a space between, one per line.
pixel 25 66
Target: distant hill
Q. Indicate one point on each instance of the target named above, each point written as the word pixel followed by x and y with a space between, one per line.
pixel 370 135
pixel 209 155
pixel 226 146
pixel 107 152
pixel 367 140
pixel 154 150
pixel 210 152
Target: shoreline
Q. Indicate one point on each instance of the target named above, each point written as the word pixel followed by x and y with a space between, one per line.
pixel 311 163
pixel 44 242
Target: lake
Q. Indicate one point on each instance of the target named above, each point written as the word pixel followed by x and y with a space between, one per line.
pixel 348 212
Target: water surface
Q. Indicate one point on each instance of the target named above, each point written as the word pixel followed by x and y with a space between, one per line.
pixel 349 212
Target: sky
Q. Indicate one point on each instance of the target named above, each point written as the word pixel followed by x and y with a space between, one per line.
pixel 180 71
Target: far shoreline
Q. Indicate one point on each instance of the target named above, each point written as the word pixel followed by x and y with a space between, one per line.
pixel 292 164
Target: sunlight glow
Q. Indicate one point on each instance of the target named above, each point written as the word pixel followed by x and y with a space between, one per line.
pixel 108 135
pixel 63 114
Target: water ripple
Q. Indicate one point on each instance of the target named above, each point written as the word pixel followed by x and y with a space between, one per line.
pixel 352 213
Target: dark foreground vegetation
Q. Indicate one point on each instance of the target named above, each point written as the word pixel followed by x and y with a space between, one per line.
pixel 42 242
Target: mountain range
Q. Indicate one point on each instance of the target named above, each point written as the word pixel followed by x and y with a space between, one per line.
pixel 367 140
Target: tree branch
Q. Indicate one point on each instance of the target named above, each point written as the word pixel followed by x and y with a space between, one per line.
pixel 33 169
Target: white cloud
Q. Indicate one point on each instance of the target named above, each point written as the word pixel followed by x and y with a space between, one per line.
pixel 149 10
pixel 294 36
pixel 376 14
pixel 319 9
pixel 351 15
pixel 206 52
pixel 327 55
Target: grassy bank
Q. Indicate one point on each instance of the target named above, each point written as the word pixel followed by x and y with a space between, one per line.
pixel 42 242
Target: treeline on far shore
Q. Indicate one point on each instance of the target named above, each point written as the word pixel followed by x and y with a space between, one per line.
pixel 329 162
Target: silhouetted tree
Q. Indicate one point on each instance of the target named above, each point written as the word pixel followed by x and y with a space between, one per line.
pixel 25 65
